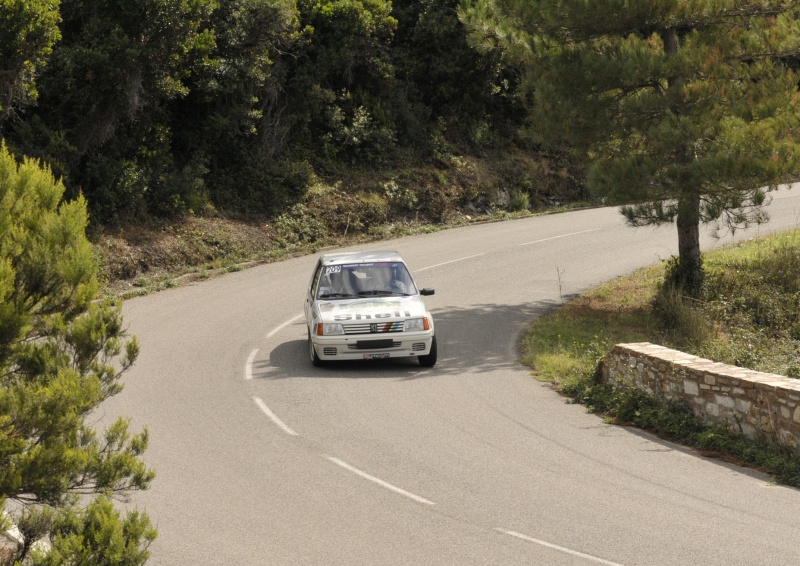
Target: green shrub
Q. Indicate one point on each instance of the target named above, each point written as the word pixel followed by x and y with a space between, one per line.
pixel 299 226
pixel 358 138
pixel 400 198
pixel 261 185
pixel 689 281
pixel 519 201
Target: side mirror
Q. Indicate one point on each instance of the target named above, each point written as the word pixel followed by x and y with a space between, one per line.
pixel 427 292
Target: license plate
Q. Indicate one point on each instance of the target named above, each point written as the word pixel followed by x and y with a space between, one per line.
pixel 375 356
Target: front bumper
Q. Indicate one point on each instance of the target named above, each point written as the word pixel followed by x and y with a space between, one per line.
pixel 372 346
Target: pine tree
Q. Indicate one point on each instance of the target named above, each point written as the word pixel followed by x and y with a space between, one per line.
pixel 687 110
pixel 61 354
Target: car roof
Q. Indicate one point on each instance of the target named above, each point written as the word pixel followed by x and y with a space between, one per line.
pixel 360 257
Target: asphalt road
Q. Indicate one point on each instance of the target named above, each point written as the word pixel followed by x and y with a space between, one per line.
pixel 263 459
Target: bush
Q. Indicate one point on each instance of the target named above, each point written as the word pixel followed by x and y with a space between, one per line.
pixel 680 317
pixel 401 199
pixel 519 201
pixel 688 280
pixel 359 139
pixel 328 212
pixel 299 226
pixel 261 186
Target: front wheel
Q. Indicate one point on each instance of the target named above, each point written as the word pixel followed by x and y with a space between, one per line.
pixel 316 361
pixel 429 360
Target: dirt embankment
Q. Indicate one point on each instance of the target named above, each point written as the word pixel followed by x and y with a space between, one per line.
pixel 138 257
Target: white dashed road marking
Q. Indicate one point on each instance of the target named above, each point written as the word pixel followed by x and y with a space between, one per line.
pixel 559 548
pixel 451 261
pixel 380 482
pixel 557 237
pixel 248 369
pixel 284 325
pixel 266 410
pixel 525 244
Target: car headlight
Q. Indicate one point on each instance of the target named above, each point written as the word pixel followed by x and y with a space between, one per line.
pixel 329 328
pixel 414 324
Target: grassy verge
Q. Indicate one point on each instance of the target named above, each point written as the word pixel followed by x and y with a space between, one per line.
pixel 747 314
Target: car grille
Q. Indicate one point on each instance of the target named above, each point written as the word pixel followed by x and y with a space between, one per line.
pixel 418 347
pixel 329 351
pixel 355 346
pixel 373 327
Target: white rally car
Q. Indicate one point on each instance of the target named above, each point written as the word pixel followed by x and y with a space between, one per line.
pixel 366 306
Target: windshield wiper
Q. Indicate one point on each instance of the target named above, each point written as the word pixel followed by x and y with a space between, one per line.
pixel 335 296
pixel 383 293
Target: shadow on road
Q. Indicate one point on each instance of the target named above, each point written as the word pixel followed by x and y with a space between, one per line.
pixel 476 339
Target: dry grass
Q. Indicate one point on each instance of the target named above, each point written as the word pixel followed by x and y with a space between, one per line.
pixel 139 258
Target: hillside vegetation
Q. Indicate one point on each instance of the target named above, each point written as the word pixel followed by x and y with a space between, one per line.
pixel 138 257
pixel 203 133
pixel 247 109
pixel 306 121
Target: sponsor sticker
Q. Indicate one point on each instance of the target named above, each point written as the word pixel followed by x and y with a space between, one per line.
pixel 366 305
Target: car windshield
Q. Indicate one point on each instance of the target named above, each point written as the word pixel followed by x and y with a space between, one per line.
pixel 365 280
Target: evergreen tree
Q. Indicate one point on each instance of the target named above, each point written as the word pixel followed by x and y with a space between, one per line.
pixel 61 354
pixel 685 109
pixel 28 31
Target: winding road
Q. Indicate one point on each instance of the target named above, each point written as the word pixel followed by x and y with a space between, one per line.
pixel 262 459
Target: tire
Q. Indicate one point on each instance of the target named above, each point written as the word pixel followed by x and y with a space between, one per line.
pixel 316 361
pixel 429 360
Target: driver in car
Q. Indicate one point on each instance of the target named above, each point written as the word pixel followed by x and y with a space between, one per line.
pixel 399 281
pixel 331 284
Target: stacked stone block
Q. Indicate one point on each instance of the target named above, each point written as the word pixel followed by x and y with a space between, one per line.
pixel 760 405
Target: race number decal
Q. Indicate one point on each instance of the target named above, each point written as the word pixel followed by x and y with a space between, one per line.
pixel 333 269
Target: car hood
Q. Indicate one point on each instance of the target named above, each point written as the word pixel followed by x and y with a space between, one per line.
pixel 369 308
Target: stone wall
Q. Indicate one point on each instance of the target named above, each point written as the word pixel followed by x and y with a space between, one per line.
pixel 758 404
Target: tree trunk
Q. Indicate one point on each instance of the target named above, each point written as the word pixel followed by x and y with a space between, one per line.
pixel 670 38
pixel 690 270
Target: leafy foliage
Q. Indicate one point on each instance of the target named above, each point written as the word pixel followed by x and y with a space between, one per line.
pixel 61 353
pixel 28 31
pixel 232 126
pixel 101 111
pixel 117 62
pixel 168 107
pixel 98 535
pixel 340 83
pixel 473 94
